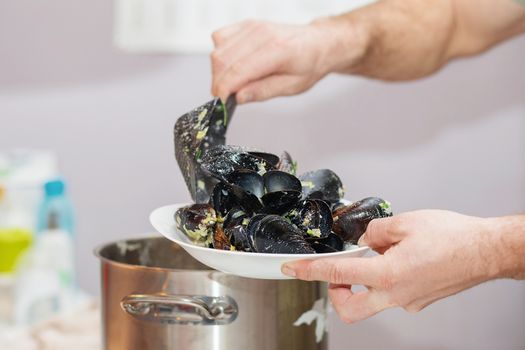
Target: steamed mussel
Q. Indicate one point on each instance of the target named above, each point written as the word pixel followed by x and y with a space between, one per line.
pixel 198 222
pixel 274 234
pixel 253 201
pixel 351 221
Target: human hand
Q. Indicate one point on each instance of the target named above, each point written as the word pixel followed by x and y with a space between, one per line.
pixel 259 60
pixel 427 255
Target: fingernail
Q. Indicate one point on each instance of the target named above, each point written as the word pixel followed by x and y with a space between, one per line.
pixel 288 271
pixel 361 242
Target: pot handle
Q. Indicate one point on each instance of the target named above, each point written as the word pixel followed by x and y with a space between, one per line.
pixel 181 309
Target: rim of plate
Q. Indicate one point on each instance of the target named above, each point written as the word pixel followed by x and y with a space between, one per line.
pixel 239 253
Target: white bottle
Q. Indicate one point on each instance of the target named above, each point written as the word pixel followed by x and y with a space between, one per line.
pixel 45 282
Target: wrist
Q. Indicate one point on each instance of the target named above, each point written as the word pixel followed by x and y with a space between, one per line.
pixel 345 43
pixel 507 241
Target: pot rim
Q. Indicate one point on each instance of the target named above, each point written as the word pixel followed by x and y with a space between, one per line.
pixel 100 247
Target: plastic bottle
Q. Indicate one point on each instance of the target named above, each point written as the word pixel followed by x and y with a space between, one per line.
pixel 45 281
pixel 55 203
pixel 55 232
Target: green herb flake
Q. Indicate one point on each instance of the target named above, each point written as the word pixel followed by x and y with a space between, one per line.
pixel 293 169
pixel 198 154
pixel 308 184
pixel 222 108
pixel 201 133
pixel 314 232
pixel 200 119
pixel 386 206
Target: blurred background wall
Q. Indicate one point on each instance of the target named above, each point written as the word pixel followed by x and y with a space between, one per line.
pixel 452 141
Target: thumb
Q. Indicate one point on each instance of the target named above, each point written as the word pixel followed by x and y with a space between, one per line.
pixel 382 233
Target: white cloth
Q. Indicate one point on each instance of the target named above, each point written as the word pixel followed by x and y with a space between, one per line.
pixel 78 329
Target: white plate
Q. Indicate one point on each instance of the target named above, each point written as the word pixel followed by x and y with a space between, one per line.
pixel 245 264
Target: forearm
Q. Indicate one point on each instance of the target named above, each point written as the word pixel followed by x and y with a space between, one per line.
pixel 408 39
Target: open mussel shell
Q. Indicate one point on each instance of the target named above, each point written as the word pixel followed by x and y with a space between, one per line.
pixel 197 221
pixel 222 160
pixel 329 244
pixel 274 234
pixel 196 132
pixel 234 217
pixel 280 202
pixel 351 221
pixel 312 216
pixel 251 181
pixel 322 184
pixel 226 196
pixel 277 180
pixel 283 191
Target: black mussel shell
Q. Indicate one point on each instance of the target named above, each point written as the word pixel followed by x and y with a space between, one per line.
pixel 239 238
pixel 198 222
pixel 249 180
pixel 220 240
pixel 283 191
pixel 221 161
pixel 287 164
pixel 194 133
pixel 253 227
pixel 269 157
pixel 277 180
pixel 322 248
pixel 226 196
pixel 312 216
pixel 222 114
pixel 338 204
pixel 329 244
pixel 351 221
pixel 322 184
pixel 280 202
pixel 274 234
pixel 234 217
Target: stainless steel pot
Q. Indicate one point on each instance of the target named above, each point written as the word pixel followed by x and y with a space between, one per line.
pixel 156 296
